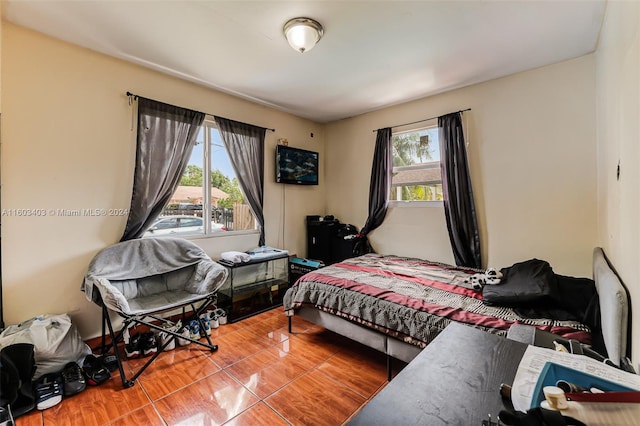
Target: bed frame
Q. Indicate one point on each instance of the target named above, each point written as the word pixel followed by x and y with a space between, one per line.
pixel 614 308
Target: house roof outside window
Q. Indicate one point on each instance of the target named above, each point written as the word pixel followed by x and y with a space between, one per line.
pixel 193 195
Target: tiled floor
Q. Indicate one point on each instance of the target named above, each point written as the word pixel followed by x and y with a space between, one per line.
pixel 260 375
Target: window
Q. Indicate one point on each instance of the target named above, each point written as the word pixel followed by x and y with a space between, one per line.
pixel 416 166
pixel 222 200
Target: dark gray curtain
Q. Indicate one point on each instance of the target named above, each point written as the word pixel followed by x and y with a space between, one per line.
pixel 245 145
pixel 459 207
pixel 166 136
pixel 380 185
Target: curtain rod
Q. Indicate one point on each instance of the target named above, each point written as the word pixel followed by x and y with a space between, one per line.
pixel 426 119
pixel 129 94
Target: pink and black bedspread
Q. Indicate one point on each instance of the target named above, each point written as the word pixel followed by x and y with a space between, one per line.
pixel 410 299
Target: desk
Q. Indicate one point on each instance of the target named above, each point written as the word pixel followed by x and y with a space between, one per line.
pixel 455 380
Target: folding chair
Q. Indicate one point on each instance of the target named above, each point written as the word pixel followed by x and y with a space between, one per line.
pixel 141 279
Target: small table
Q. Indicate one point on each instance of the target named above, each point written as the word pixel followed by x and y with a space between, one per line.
pixel 455 380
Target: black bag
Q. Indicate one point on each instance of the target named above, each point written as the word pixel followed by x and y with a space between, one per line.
pixel 348 243
pixel 17 367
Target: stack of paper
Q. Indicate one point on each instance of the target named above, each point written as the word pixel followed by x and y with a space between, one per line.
pixel 531 373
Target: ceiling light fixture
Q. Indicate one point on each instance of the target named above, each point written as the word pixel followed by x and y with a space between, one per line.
pixel 303 33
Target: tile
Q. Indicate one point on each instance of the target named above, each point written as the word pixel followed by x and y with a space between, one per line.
pixel 276 311
pixel 363 370
pixel 315 399
pixel 238 345
pixel 32 418
pixel 147 416
pixel 212 400
pixel 258 415
pixel 275 328
pixel 259 317
pixel 97 405
pixel 224 329
pixel 174 370
pixel 312 348
pixel 267 371
pixel 300 325
pixel 312 376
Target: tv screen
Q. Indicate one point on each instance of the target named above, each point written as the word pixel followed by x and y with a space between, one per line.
pixel 296 166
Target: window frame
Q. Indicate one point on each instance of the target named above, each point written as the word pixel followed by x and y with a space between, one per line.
pixel 414 203
pixel 206 126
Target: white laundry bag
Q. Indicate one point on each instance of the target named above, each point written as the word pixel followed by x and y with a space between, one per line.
pixel 55 339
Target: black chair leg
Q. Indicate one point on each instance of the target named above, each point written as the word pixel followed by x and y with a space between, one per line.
pixel 114 344
pixel 115 338
pixel 199 312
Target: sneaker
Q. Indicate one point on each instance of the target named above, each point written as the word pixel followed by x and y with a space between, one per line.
pixel 185 333
pixel 163 337
pixel 95 372
pixel 6 416
pixel 184 342
pixel 132 349
pixel 215 321
pixel 48 390
pixel 222 316
pixel 109 361
pixel 148 344
pixel 194 328
pixel 73 379
pixel 206 330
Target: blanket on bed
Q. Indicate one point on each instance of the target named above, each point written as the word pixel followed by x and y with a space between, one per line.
pixel 411 299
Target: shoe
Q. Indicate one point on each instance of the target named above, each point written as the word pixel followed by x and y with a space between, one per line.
pixel 48 390
pixel 73 380
pixel 194 328
pixel 148 344
pixel 206 322
pixel 184 342
pixel 132 349
pixel 185 332
pixel 109 361
pixel 6 416
pixel 95 372
pixel 163 337
pixel 222 316
pixel 212 315
pixel 215 321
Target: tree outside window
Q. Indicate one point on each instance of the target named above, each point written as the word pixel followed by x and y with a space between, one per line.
pixel 416 166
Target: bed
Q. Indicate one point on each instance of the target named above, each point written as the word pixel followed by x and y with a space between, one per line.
pixel 398 305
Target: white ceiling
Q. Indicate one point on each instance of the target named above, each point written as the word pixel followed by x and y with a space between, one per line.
pixel 373 54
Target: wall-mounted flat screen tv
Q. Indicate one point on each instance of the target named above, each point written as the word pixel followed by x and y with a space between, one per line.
pixel 296 166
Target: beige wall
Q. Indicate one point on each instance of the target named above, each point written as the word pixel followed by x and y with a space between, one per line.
pixel 68 144
pixel 618 118
pixel 1 21
pixel 531 147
